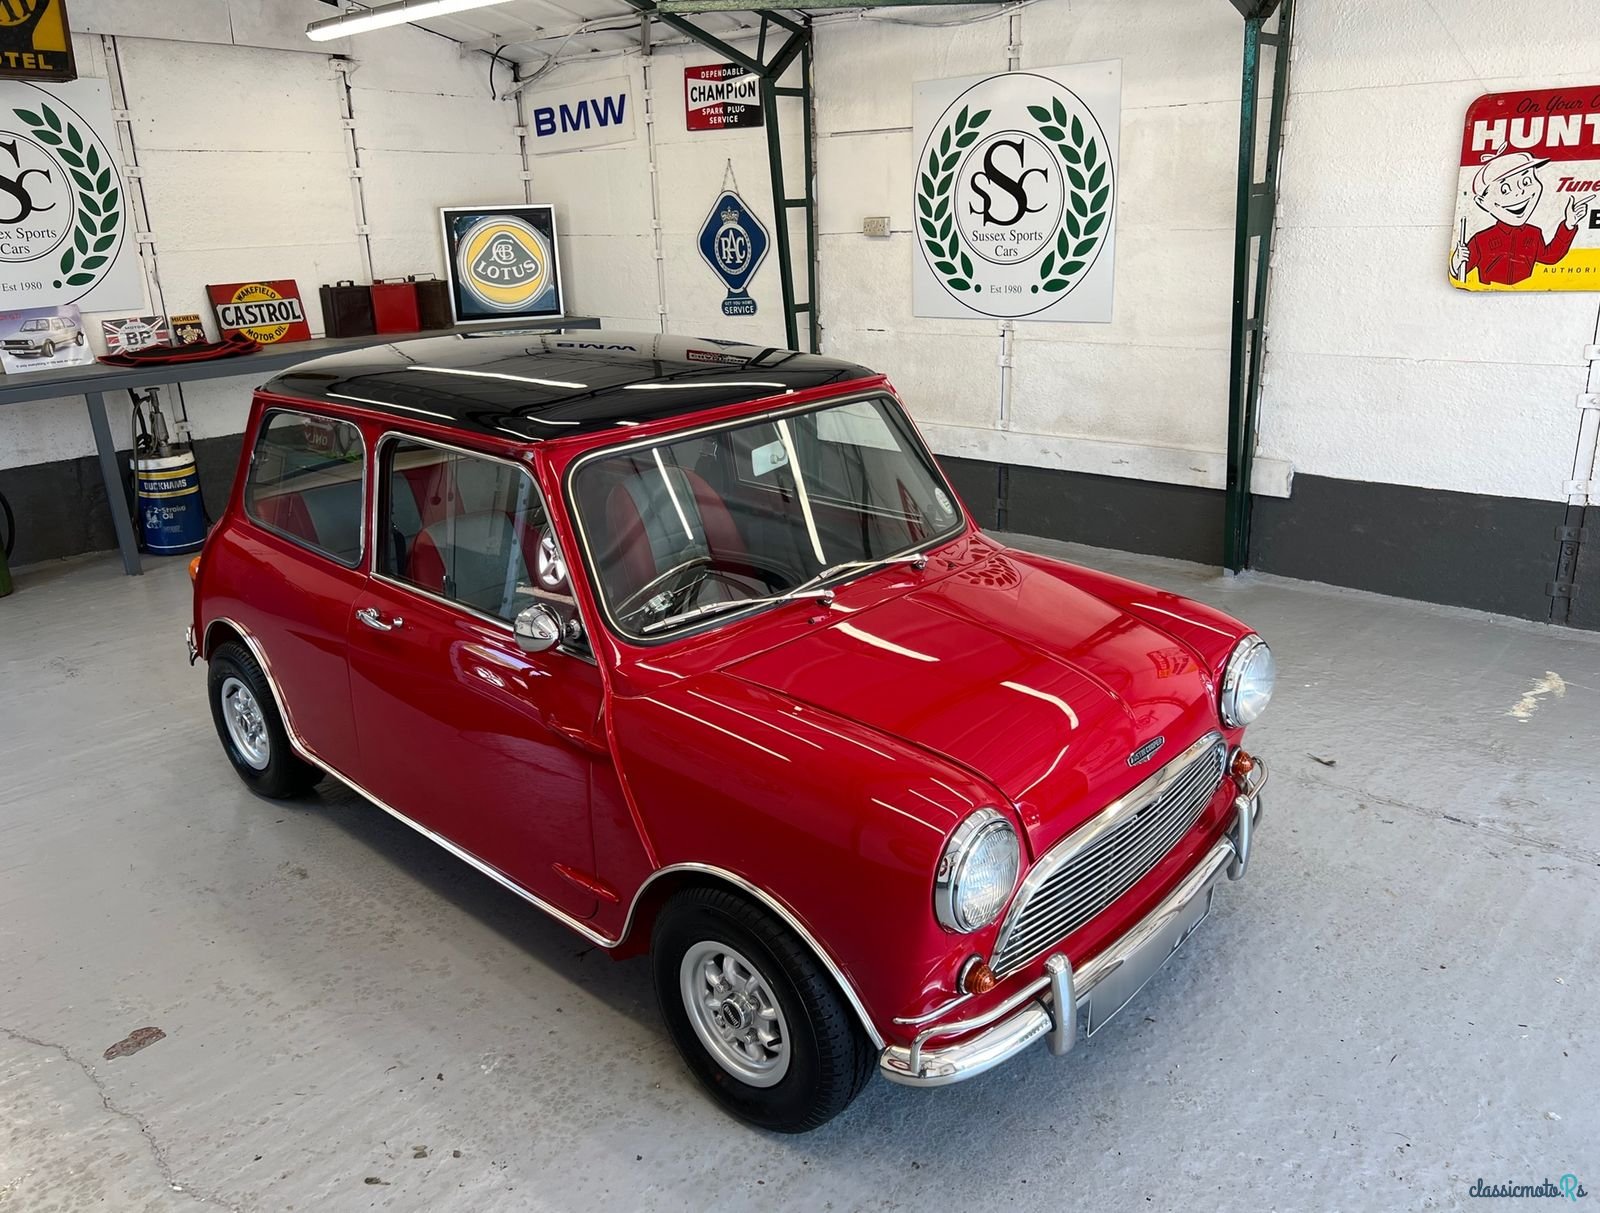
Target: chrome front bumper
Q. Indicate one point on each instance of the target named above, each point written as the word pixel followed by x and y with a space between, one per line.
pixel 1115 975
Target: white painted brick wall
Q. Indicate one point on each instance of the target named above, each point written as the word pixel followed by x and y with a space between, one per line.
pixel 1377 369
pixel 246 173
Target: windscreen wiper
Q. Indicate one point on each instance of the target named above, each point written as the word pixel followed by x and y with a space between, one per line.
pixel 803 590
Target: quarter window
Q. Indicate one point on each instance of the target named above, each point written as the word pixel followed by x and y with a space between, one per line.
pixel 463 527
pixel 305 483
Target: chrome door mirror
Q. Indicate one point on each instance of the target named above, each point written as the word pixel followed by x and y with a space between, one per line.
pixel 538 628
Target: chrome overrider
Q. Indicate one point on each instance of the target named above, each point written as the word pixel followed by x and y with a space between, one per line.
pixel 1035 1011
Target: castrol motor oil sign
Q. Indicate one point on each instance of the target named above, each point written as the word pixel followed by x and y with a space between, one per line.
pixel 268 312
pixel 1528 200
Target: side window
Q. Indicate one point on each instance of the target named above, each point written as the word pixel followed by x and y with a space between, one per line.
pixel 460 526
pixel 305 482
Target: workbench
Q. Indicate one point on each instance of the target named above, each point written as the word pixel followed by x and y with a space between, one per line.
pixel 92 382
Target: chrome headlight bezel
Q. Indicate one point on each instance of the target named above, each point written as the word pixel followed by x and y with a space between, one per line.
pixel 1244 666
pixel 981 828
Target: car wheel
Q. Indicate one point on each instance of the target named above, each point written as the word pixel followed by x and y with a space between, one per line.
pixel 48 349
pixel 757 1017
pixel 78 340
pixel 250 727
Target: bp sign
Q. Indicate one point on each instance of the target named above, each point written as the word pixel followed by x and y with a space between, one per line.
pixel 734 243
pixel 1016 194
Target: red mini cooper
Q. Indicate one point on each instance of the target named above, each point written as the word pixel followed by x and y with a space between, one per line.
pixel 691 645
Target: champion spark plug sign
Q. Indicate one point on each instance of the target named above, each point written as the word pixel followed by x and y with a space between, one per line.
pixel 1016 194
pixel 1528 198
pixel 717 96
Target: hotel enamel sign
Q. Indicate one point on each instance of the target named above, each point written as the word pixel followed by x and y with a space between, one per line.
pixel 1528 194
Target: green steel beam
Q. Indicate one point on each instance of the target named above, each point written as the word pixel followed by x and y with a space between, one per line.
pixel 797 47
pixel 1255 207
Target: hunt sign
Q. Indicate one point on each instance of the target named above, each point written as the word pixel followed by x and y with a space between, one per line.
pixel 1016 194
pixel 36 41
pixel 717 96
pixel 1528 195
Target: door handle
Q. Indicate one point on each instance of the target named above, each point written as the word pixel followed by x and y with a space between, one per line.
pixel 371 617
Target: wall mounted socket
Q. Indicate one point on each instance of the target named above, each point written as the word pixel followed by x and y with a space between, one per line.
pixel 875 225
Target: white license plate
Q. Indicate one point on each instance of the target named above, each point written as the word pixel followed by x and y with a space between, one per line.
pixel 1119 986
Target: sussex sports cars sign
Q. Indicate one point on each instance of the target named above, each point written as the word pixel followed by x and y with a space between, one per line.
pixel 64 234
pixel 1528 196
pixel 1016 194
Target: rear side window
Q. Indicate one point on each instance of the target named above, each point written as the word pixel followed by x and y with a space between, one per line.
pixel 460 526
pixel 305 483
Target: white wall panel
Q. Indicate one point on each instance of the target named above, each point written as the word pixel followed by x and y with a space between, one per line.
pixel 1377 368
pixel 246 173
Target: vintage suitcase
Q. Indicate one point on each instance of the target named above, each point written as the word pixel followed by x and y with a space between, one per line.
pixel 347 309
pixel 433 302
pixel 394 305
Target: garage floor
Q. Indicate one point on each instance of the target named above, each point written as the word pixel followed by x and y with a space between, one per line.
pixel 1400 999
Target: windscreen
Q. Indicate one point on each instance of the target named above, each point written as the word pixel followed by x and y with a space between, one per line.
pixel 754 510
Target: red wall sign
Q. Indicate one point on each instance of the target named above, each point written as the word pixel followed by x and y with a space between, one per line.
pixel 1528 198
pixel 720 95
pixel 267 312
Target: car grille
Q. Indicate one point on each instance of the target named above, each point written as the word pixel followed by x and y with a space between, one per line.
pixel 1100 862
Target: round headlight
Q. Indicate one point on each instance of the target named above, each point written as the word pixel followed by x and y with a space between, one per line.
pixel 1247 682
pixel 977 871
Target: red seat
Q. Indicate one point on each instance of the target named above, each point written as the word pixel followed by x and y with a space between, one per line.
pixel 630 551
pixel 481 542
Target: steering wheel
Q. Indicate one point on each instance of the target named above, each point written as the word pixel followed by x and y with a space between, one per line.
pixel 677 580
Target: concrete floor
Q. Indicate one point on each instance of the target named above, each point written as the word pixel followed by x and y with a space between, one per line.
pixel 1400 999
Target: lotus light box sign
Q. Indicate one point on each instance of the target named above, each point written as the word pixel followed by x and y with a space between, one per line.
pixel 64 229
pixel 502 261
pixel 1016 194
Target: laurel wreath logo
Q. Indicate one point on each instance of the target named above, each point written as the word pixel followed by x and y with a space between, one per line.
pixel 1082 219
pixel 1086 213
pixel 99 197
pixel 934 201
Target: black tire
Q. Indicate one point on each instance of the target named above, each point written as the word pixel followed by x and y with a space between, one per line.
pixel 285 774
pixel 830 1057
pixel 49 350
pixel 78 340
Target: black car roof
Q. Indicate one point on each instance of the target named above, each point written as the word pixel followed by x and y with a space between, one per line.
pixel 549 384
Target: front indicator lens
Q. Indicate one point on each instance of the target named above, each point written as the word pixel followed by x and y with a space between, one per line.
pixel 977 872
pixel 1247 682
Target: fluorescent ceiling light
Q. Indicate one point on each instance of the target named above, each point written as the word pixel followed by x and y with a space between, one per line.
pixel 361 20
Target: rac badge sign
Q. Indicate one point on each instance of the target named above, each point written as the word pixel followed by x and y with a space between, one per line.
pixel 1015 206
pixel 734 244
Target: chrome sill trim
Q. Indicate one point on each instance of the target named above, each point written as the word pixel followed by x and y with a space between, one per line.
pixel 499 877
pixel 1024 1017
pixel 1068 849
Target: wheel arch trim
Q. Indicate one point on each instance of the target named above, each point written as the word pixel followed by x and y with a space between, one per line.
pixel 790 919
